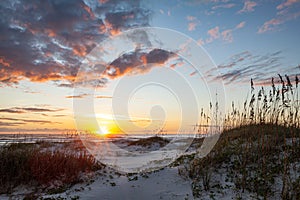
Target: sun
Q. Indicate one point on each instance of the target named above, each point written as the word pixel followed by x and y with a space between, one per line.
pixel 103 131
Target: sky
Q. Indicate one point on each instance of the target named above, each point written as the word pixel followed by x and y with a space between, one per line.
pixel 140 87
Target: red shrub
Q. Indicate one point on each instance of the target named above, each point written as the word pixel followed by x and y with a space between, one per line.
pixel 65 167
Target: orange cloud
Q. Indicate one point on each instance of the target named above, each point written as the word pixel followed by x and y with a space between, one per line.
pixel 102 29
pixel 111 29
pixel 48 54
pixel 16 76
pixel 144 59
pixel 10 77
pixel 89 10
pixel 103 1
pixel 115 32
pixel 137 62
pixel 50 33
pixel 4 63
pixel 79 50
pixel 46 77
pixel 37 54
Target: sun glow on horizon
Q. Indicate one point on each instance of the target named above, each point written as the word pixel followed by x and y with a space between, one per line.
pixel 103 131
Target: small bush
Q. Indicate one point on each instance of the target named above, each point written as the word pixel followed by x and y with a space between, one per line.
pixel 64 167
pixel 14 166
pixel 28 164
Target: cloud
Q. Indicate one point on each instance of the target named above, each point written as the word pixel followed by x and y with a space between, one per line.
pixel 4 63
pixel 19 110
pixel 240 25
pixel 248 6
pixel 137 62
pixel 33 109
pixel 283 15
pixel 37 130
pixel 79 50
pixel 59 115
pixel 214 33
pixel 103 97
pixel 163 12
pixel 200 42
pixel 193 73
pixel 272 24
pixel 227 35
pixel 114 21
pixel 228 5
pixel 241 67
pixel 11 123
pixel 46 40
pixel 200 2
pixel 190 18
pixel 46 115
pixel 76 96
pixel 11 110
pixel 286 4
pixel 192 26
pixel 192 22
pixel 236 59
pixel 26 120
pixel 140 120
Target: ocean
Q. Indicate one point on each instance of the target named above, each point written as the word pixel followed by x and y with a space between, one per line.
pixel 7 138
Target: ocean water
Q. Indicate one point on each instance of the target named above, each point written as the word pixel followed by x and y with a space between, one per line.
pixel 33 137
pixel 8 138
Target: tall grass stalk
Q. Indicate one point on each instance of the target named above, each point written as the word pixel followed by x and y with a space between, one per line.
pixel 260 143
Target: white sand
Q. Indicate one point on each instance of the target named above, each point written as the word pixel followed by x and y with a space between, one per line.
pixel 163 184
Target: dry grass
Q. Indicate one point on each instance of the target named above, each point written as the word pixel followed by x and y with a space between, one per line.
pixel 33 165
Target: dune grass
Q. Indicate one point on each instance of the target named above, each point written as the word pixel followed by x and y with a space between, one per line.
pixel 254 157
pixel 259 149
